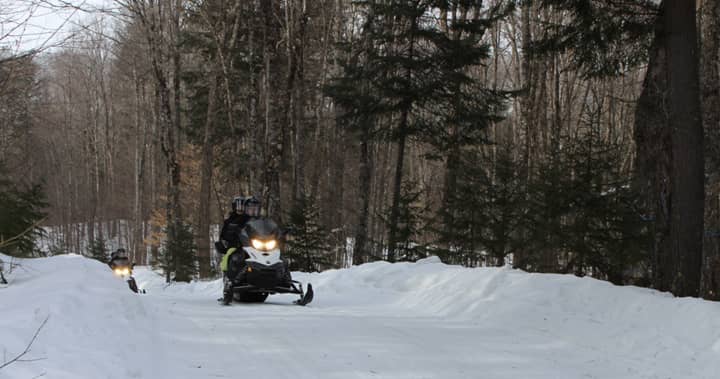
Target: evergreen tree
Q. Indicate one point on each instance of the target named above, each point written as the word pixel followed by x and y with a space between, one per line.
pixel 411 221
pixel 308 248
pixel 351 93
pixel 413 82
pixel 21 209
pixel 605 38
pixel 609 237
pixel 98 250
pixel 179 255
pixel 583 214
pixel 484 212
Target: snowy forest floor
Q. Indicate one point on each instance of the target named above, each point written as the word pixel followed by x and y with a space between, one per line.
pixel 379 320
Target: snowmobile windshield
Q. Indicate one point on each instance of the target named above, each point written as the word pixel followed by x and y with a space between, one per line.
pixel 121 262
pixel 262 229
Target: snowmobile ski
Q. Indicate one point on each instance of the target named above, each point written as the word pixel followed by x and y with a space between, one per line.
pixel 307 297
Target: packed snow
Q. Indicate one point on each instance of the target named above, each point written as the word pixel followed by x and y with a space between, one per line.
pixel 378 320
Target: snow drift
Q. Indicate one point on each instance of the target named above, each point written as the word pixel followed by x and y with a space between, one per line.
pixel 378 320
pixel 96 328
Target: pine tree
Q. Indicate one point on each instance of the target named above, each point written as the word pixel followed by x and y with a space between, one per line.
pixel 604 38
pixel 22 210
pixel 98 250
pixel 484 212
pixel 413 74
pixel 607 38
pixel 583 215
pixel 308 248
pixel 179 255
pixel 411 221
pixel 608 234
pixel 356 113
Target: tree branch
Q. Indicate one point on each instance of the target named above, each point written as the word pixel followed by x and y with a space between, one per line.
pixel 6 243
pixel 27 348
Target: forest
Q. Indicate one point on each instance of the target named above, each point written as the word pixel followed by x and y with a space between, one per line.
pixel 555 136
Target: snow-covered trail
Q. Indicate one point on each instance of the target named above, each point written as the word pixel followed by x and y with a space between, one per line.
pixel 284 341
pixel 430 320
pixel 311 344
pixel 424 320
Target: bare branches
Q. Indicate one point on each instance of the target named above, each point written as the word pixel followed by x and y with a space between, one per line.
pixel 18 358
pixel 24 30
pixel 6 243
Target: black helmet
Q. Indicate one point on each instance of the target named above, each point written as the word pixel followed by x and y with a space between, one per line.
pixel 252 206
pixel 237 204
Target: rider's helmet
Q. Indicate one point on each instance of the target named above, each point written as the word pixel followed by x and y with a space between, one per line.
pixel 120 253
pixel 252 206
pixel 237 204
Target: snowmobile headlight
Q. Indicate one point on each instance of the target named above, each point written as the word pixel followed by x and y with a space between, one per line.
pixel 269 245
pixel 263 246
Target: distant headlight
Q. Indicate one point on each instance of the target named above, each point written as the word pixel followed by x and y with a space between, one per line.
pixel 122 271
pixel 257 244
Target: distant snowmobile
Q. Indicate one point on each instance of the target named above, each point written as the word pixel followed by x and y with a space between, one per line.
pixel 122 267
pixel 256 270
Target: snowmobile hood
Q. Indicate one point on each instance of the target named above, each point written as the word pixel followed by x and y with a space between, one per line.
pixel 262 229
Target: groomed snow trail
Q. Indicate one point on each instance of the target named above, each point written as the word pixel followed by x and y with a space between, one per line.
pixel 380 320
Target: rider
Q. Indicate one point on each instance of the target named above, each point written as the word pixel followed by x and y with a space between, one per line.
pixel 119 257
pixel 244 210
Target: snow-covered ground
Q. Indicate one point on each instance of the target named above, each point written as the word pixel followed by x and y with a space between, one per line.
pixel 379 320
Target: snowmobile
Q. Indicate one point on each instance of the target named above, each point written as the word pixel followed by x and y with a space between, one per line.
pixel 256 270
pixel 123 268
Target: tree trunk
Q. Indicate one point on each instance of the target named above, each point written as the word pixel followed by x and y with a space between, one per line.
pixel 202 236
pixel 653 156
pixel 710 58
pixel 360 250
pixel 273 132
pixel 397 188
pixel 688 188
pixel 402 137
pixel 140 145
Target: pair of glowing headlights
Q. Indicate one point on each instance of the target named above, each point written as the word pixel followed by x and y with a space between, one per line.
pixel 263 245
pixel 122 271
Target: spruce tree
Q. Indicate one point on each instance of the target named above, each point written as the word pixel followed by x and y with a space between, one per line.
pixel 583 215
pixel 413 83
pixel 308 247
pixel 411 222
pixel 604 38
pixel 179 255
pixel 356 113
pixel 607 38
pixel 483 214
pixel 21 211
pixel 97 249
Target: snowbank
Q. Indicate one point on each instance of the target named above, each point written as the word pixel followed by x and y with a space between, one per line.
pixel 679 335
pixel 96 327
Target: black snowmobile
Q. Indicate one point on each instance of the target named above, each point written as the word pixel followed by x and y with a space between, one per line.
pixel 256 270
pixel 122 267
